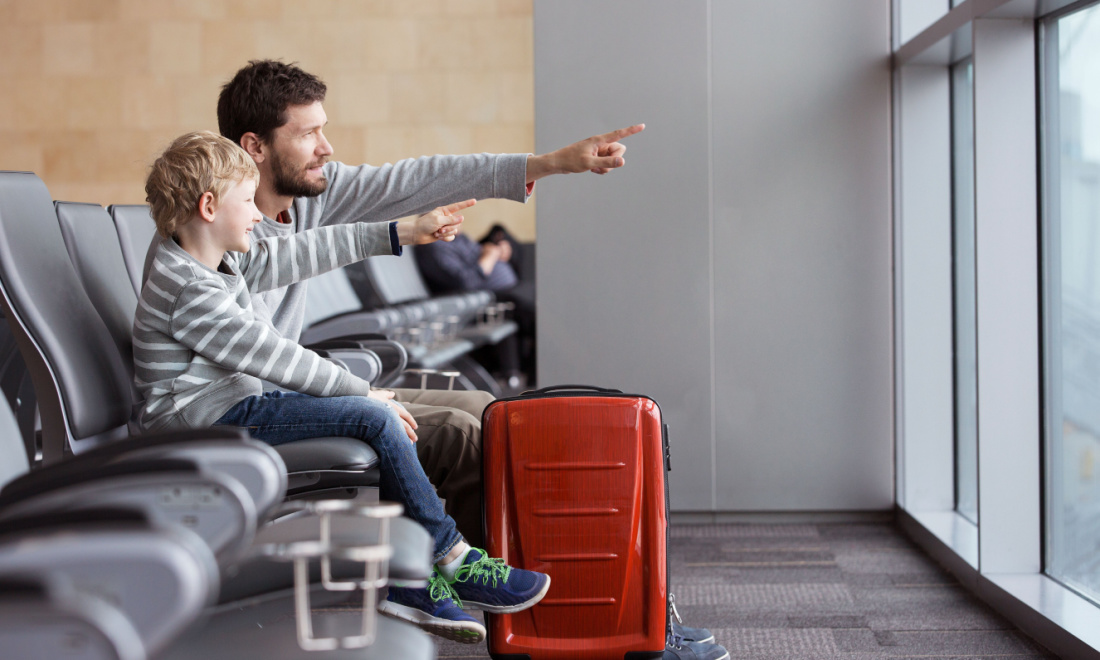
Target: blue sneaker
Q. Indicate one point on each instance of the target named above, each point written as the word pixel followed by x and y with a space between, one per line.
pixel 700 635
pixel 678 648
pixel 489 584
pixel 682 632
pixel 433 609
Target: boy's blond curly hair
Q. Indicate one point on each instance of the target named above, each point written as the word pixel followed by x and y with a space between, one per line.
pixel 193 164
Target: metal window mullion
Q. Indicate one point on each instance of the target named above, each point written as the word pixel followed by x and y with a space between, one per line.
pixel 925 312
pixel 1050 195
pixel 1007 295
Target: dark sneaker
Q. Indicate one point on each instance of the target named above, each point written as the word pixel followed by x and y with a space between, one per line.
pixel 484 583
pixel 433 609
pixel 701 635
pixel 680 649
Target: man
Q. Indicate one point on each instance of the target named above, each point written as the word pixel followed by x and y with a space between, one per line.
pixel 274 111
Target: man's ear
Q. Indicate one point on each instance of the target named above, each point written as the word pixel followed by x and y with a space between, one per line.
pixel 252 143
pixel 207 206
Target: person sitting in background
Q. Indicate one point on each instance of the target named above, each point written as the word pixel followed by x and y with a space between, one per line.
pixel 463 265
pixel 466 265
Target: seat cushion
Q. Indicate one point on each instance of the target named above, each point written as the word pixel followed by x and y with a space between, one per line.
pixel 327 454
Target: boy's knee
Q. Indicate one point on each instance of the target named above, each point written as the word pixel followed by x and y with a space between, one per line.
pixel 379 417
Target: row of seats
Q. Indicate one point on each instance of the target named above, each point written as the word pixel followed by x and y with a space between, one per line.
pixel 179 545
pixel 389 293
pixel 377 318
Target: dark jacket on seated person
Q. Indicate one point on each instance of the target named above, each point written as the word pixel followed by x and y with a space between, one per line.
pixel 454 266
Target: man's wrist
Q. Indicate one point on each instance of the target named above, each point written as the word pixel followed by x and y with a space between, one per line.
pixel 540 166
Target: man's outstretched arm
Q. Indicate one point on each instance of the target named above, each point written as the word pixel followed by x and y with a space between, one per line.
pixel 371 194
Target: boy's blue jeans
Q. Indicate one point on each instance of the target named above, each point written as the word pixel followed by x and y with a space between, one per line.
pixel 280 417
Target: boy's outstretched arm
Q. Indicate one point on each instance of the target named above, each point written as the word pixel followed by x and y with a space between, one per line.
pixel 276 262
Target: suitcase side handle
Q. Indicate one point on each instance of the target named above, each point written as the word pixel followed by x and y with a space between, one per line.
pixel 562 388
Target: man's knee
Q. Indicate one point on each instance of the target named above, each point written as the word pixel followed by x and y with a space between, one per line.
pixel 469 401
pixel 481 400
pixel 450 442
pixel 455 425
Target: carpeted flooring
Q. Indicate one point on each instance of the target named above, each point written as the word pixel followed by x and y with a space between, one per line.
pixel 855 591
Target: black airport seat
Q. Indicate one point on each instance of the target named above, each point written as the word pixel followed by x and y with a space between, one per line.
pixel 134 482
pixel 86 395
pixel 367 352
pixel 87 240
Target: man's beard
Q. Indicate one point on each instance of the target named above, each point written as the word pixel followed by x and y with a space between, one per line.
pixel 291 182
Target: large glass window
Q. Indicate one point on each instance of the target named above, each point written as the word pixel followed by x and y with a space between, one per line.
pixel 965 304
pixel 1071 200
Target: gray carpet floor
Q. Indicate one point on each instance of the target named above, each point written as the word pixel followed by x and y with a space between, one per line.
pixel 856 591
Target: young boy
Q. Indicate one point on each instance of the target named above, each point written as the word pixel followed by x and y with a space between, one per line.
pixel 200 354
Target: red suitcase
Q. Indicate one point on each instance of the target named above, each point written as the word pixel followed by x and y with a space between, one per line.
pixel 575 487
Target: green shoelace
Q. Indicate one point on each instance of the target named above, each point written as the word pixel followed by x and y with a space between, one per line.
pixel 439 588
pixel 483 569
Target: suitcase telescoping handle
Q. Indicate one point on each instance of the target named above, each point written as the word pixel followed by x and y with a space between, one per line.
pixel 569 388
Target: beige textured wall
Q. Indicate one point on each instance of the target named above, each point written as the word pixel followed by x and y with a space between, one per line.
pixel 92 90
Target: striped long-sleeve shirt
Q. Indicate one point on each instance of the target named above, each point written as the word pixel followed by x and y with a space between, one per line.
pixel 199 348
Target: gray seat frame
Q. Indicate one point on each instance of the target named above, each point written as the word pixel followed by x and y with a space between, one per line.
pixel 314 465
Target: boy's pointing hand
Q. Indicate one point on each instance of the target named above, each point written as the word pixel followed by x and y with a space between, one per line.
pixel 440 224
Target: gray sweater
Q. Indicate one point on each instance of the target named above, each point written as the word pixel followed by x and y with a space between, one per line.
pixel 199 345
pixel 365 193
pixel 375 194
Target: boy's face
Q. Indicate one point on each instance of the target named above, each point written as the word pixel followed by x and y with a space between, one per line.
pixel 235 215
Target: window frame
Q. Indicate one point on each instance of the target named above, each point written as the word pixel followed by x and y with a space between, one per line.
pixel 1001 559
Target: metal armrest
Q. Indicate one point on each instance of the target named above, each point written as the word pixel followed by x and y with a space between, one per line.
pixel 295 541
pixel 324 512
pixel 386 357
pixel 216 507
pixel 411 562
pixel 256 465
pixel 362 363
pixel 346 325
pixel 92 460
pixel 424 373
pixel 393 355
pixel 491 333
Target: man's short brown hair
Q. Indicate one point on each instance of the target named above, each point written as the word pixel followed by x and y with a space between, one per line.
pixel 256 99
pixel 194 164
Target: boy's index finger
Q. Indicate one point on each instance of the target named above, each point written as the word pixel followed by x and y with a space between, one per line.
pixel 615 136
pixel 458 206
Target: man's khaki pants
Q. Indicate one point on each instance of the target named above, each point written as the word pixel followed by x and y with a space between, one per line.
pixel 449 449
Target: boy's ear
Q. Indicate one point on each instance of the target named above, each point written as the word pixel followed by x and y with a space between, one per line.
pixel 207 206
pixel 252 144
